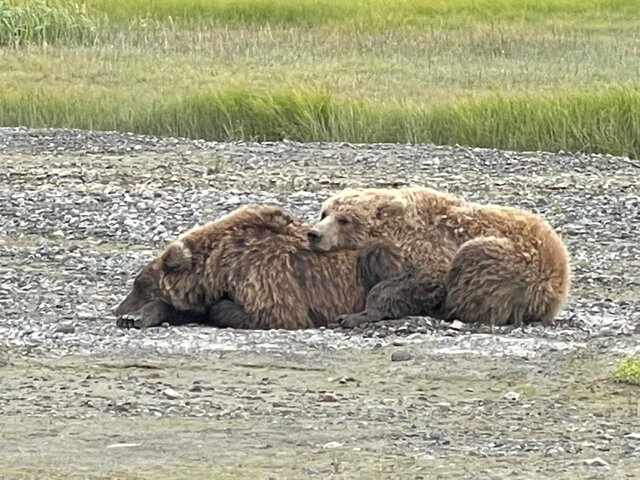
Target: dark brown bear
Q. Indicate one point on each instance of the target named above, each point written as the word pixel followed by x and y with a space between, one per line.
pixel 252 268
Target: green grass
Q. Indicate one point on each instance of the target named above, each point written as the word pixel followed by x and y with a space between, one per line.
pixel 524 75
pixel 627 370
pixel 602 122
pixel 363 14
pixel 40 22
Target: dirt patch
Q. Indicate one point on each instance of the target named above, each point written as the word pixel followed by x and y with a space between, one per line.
pixel 246 416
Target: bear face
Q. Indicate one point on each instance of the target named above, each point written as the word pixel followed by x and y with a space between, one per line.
pixel 146 288
pixel 355 217
pixel 161 279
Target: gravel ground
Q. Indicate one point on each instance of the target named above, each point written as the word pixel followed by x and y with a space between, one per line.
pixel 80 212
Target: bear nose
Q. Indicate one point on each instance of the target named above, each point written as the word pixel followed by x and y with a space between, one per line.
pixel 313 236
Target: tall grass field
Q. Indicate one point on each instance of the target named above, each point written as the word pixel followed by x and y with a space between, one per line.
pixel 533 75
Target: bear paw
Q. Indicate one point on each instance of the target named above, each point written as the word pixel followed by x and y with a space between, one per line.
pixel 352 320
pixel 126 322
pixel 151 315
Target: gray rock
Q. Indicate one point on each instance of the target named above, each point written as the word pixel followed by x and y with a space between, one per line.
pixel 332 445
pixel 401 356
pixel 606 332
pixel 596 462
pixel 329 397
pixel 512 397
pixel 171 393
pixel 456 325
pixel 66 327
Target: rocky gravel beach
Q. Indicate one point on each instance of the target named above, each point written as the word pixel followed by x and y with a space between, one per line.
pixel 80 212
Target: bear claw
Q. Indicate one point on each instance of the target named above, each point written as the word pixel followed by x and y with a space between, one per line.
pixel 125 322
pixel 151 315
pixel 142 322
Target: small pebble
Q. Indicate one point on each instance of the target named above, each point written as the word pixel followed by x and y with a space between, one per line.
pixel 344 380
pixel 66 327
pixel 329 397
pixel 606 332
pixel 596 462
pixel 171 393
pixel 401 356
pixel 330 445
pixel 512 397
pixel 456 325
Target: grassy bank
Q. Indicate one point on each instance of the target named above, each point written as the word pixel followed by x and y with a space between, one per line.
pixel 605 122
pixel 365 14
pixel 46 22
pixel 545 75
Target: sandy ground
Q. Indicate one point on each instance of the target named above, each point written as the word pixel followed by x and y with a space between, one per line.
pixel 346 415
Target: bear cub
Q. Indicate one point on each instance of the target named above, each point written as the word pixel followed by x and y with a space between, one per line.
pixel 253 269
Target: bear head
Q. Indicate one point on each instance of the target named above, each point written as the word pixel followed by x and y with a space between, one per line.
pixel 354 217
pixel 161 279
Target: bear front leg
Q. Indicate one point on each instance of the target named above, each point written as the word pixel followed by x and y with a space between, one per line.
pixel 379 261
pixel 406 295
pixel 352 320
pixel 228 314
pixel 156 313
pixel 385 301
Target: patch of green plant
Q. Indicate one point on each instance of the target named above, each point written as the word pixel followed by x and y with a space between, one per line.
pixel 362 14
pixel 627 370
pixel 574 121
pixel 44 22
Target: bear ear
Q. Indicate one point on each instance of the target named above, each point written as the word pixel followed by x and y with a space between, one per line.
pixel 277 215
pixel 176 257
pixel 393 208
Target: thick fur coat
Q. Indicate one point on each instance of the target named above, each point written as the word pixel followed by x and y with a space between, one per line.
pixel 251 268
pixel 496 264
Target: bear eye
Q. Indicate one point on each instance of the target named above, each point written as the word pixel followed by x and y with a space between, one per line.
pixel 323 215
pixel 343 221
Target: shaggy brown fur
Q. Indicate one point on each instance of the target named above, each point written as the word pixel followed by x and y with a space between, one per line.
pixel 252 268
pixel 496 264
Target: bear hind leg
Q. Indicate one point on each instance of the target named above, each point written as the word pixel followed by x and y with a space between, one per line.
pixel 487 283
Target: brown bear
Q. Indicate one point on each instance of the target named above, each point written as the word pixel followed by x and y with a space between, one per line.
pixel 252 268
pixel 472 262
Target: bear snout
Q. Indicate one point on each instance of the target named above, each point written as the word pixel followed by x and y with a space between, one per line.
pixel 314 236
